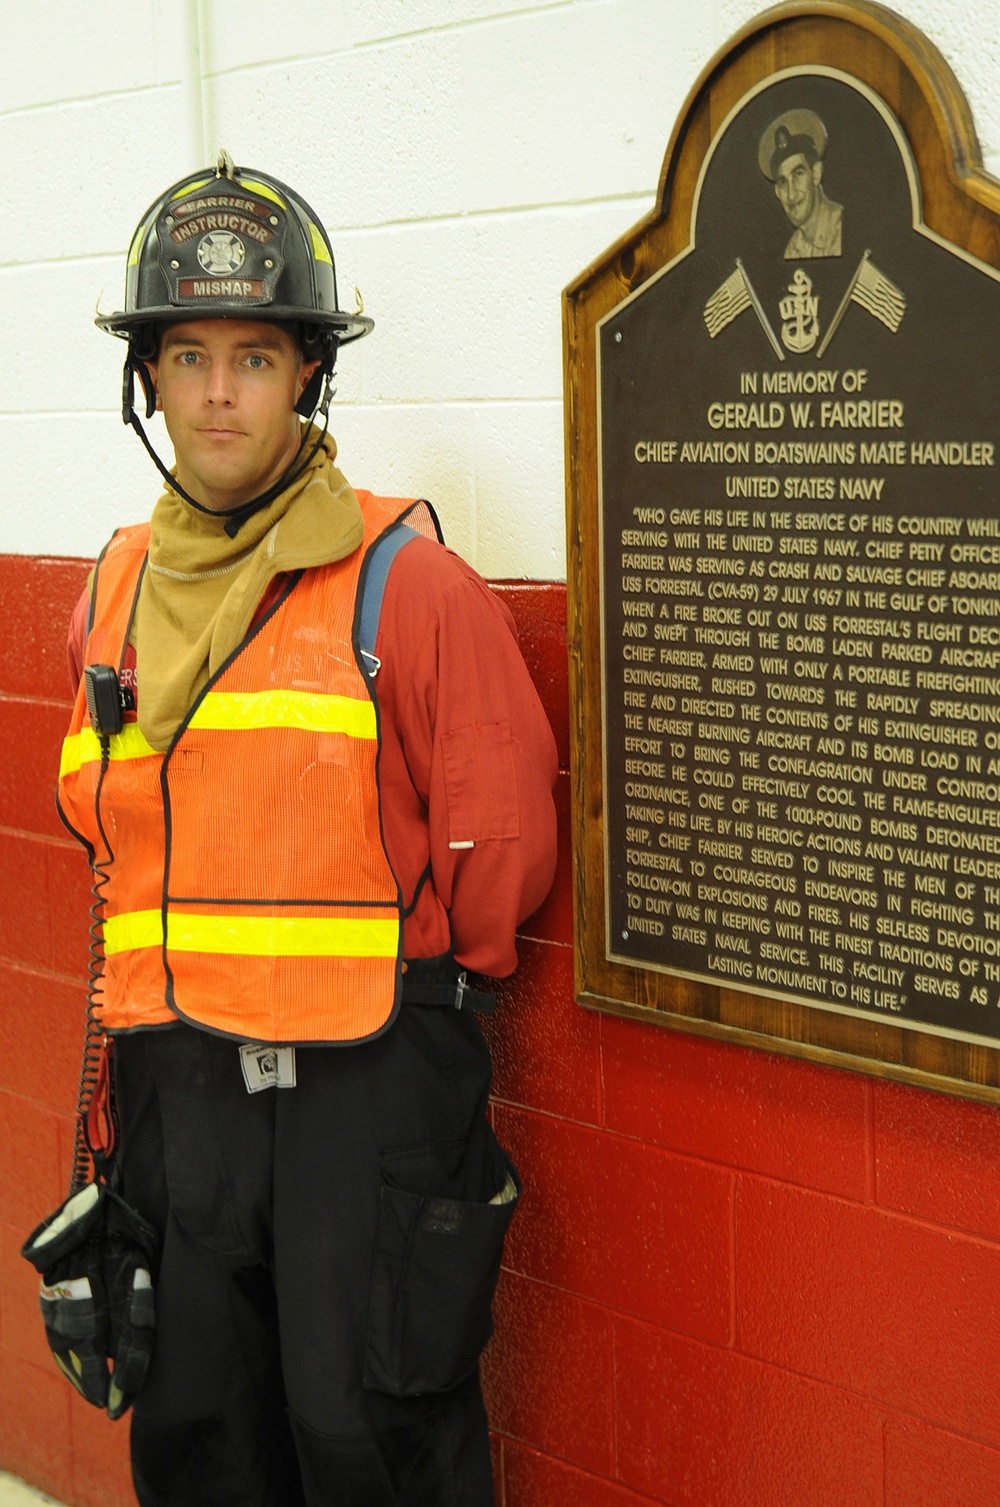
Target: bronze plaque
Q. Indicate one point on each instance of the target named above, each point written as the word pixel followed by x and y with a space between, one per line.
pixel 798 590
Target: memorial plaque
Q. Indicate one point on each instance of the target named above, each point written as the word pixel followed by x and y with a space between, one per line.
pixel 785 473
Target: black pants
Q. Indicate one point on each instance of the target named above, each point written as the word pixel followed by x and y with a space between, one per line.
pixel 309 1348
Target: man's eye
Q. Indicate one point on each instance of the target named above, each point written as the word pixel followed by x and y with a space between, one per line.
pixel 189 358
pixel 256 362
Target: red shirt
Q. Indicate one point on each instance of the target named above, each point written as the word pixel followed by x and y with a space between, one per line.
pixel 467 761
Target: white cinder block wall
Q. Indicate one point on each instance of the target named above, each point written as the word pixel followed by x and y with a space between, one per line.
pixel 469 157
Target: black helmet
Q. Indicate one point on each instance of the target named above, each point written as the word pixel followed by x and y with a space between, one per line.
pixel 233 243
pixel 238 244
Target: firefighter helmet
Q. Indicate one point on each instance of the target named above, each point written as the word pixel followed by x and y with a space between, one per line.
pixel 231 243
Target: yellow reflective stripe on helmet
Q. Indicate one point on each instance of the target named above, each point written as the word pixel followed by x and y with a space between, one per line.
pixel 253 936
pixel 283 936
pixel 141 233
pixel 263 189
pixel 321 250
pixel 304 710
pixel 84 747
pixel 189 188
pixel 132 929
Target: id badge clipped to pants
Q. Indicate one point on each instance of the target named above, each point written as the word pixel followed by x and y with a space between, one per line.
pixel 267 1066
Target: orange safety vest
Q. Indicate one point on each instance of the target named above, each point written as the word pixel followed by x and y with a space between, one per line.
pixel 243 877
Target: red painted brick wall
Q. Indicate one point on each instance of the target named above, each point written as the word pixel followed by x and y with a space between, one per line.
pixel 736 1280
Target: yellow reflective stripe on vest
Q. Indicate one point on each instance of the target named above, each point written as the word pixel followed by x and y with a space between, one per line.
pixel 284 936
pixel 84 747
pixel 254 936
pixel 132 929
pixel 234 711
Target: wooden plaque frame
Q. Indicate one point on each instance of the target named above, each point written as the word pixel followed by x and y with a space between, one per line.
pixel 961 203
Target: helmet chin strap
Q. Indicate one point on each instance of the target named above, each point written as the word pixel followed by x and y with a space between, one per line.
pixel 235 517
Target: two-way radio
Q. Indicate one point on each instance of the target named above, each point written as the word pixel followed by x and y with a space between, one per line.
pixel 107 699
pixel 97 1121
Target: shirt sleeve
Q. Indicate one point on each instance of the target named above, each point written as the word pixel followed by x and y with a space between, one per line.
pixel 464 729
pixel 76 639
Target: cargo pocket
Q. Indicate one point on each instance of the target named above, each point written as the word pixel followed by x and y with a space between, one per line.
pixel 435 1269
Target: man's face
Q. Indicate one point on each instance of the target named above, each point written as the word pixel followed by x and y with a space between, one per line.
pixel 797 186
pixel 228 389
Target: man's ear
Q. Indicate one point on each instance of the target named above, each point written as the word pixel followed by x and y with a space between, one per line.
pixel 817 171
pixel 147 371
pixel 306 371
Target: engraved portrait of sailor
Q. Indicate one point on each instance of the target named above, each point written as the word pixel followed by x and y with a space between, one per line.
pixel 791 155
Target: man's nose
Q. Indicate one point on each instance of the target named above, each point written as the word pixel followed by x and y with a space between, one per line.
pixel 220 387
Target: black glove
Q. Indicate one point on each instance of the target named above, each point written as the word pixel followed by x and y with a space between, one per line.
pixel 94 1255
pixel 129 1243
pixel 66 1249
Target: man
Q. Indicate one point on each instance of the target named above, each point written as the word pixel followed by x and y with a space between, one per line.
pixel 791 155
pixel 329 797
